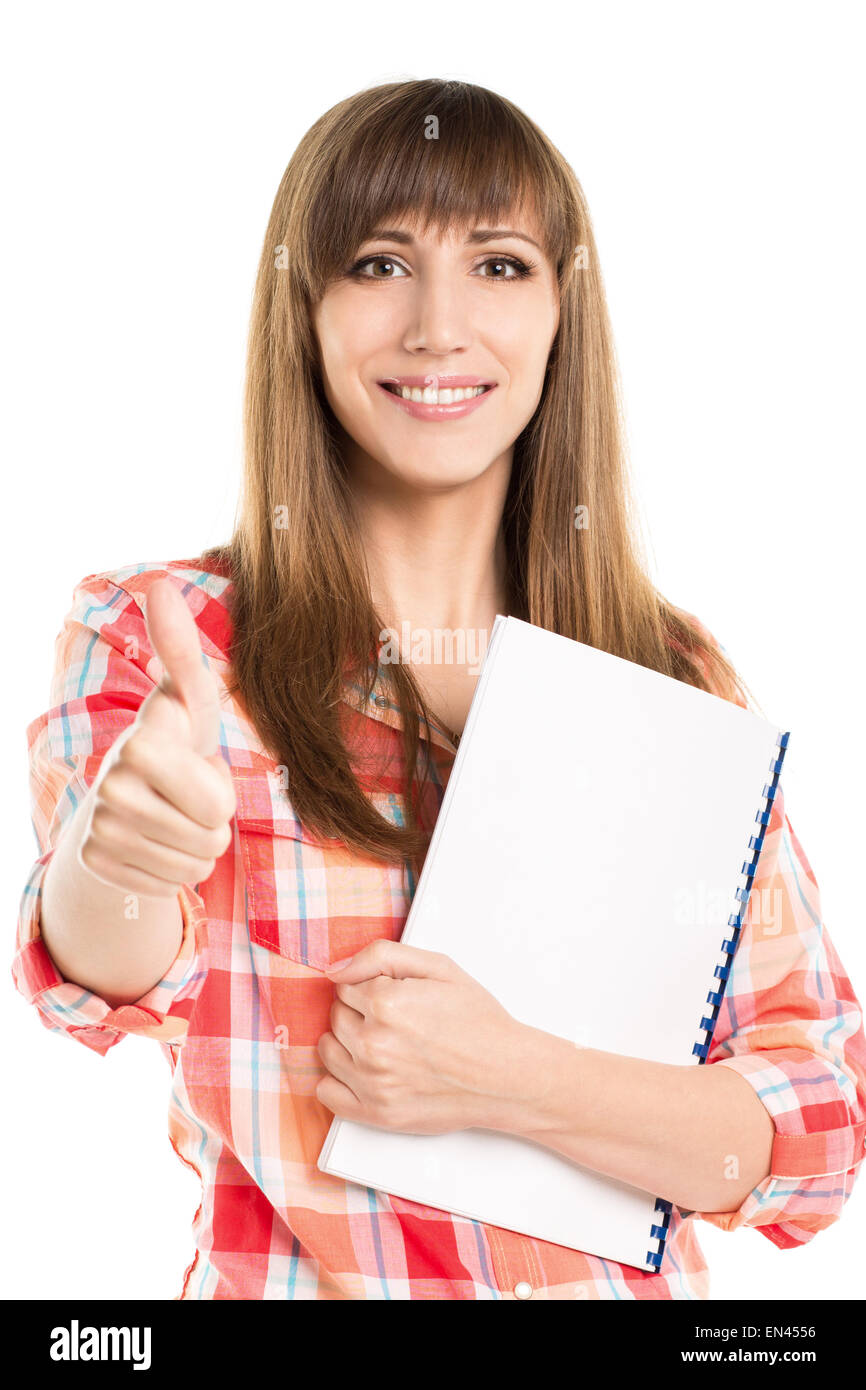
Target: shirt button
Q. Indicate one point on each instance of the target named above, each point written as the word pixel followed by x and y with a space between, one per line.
pixel 522 1290
pixel 380 700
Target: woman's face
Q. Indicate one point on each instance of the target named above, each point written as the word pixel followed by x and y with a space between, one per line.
pixel 417 311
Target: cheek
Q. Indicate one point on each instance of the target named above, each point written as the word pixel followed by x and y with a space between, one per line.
pixel 522 338
pixel 352 327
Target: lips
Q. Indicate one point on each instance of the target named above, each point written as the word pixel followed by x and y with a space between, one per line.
pixel 421 399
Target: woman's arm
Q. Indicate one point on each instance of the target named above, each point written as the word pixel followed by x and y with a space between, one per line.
pixel 90 933
pixel 790 1026
pixel 696 1135
pixel 85 950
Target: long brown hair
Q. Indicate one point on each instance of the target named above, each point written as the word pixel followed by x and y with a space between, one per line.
pixel 300 604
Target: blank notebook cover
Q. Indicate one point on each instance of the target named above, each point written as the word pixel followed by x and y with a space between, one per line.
pixel 590 866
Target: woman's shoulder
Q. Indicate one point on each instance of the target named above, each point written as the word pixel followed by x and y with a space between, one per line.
pixel 702 641
pixel 693 622
pixel 203 584
pixel 136 579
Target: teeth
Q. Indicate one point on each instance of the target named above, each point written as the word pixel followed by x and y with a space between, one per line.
pixel 430 396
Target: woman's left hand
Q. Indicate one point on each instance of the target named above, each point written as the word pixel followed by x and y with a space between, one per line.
pixel 416 1044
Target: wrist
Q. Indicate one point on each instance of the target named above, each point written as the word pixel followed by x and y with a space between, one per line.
pixel 541 1070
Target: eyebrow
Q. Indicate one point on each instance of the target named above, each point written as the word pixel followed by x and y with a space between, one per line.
pixel 482 234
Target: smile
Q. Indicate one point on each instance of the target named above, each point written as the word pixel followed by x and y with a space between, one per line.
pixel 430 395
pixel 436 403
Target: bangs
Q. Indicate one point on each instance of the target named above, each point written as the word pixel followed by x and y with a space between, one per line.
pixel 438 155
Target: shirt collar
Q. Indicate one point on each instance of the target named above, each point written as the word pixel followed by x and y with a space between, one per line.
pixel 379 705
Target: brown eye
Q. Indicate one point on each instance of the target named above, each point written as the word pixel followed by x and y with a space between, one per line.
pixel 520 270
pixel 360 268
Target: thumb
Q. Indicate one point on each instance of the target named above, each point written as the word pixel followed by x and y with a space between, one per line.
pixel 394 958
pixel 175 641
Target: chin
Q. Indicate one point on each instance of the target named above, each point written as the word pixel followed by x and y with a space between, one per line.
pixel 439 473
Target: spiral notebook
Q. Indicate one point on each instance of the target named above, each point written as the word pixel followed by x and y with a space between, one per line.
pixel 590 865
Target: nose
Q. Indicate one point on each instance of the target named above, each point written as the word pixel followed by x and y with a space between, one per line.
pixel 438 319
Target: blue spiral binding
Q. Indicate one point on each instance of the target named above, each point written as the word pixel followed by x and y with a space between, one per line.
pixel 659 1230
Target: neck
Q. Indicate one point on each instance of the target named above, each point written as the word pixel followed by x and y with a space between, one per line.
pixel 435 559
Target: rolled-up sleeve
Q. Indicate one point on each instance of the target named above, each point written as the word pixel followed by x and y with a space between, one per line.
pixel 101 677
pixel 792 1027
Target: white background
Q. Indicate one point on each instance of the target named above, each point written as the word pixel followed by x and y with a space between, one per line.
pixel 719 149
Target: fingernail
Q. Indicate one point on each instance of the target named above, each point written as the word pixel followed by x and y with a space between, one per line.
pixel 338 965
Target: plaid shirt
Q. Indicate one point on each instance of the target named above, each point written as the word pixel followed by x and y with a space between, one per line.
pixel 240 1011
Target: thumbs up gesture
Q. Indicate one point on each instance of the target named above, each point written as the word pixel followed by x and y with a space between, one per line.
pixel 163 800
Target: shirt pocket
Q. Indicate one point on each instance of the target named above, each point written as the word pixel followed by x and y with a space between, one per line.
pixel 310 901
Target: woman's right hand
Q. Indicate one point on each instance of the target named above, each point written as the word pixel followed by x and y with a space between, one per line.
pixel 163 799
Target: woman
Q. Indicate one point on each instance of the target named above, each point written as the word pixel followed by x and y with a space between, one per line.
pixel 264 811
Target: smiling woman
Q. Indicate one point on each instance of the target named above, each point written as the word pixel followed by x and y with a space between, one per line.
pixel 431 400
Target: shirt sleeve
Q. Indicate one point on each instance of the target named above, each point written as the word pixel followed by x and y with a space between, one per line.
pixel 102 658
pixel 792 1026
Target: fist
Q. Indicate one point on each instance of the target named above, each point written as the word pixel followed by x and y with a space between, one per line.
pixel 162 803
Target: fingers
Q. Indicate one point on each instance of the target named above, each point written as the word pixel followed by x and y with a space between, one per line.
pixel 139 809
pixel 174 637
pixel 138 840
pixel 201 790
pixel 170 875
pixel 117 838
